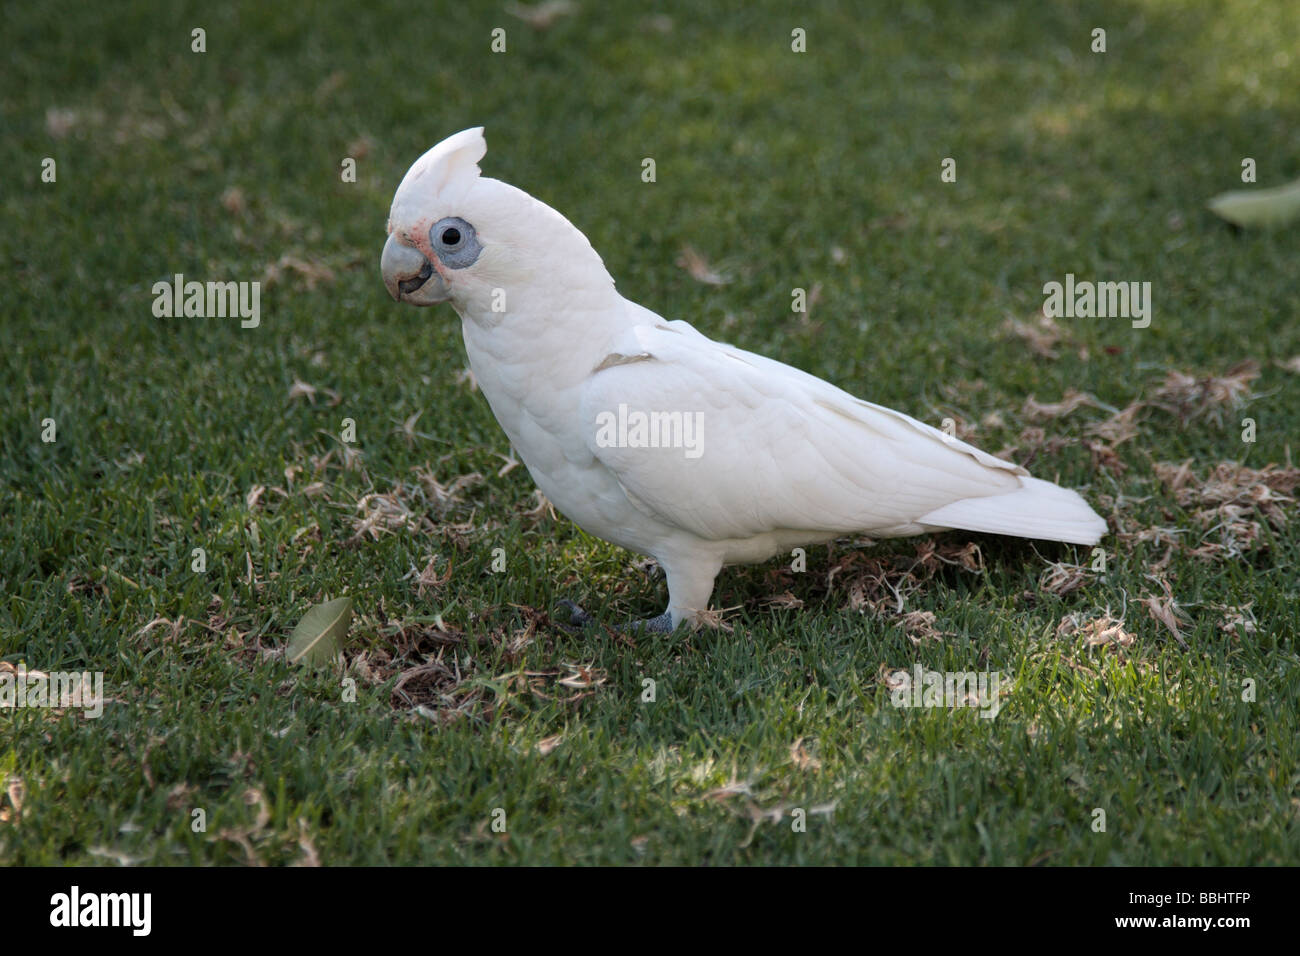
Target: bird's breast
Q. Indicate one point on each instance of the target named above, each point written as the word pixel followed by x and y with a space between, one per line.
pixel 537 402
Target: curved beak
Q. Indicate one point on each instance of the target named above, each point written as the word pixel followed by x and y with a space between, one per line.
pixel 409 276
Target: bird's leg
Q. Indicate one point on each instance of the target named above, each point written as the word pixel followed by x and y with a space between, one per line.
pixel 690 584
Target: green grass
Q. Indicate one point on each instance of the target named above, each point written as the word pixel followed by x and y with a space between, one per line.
pixel 783 170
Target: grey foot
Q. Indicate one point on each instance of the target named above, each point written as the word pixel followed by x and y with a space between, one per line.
pixel 663 624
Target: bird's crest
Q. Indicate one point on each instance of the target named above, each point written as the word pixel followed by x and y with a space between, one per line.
pixel 446 171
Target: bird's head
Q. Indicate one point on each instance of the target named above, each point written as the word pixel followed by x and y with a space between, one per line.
pixel 481 244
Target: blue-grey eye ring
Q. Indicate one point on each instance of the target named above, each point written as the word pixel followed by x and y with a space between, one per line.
pixel 455 242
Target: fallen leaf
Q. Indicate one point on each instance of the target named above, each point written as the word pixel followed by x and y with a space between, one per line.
pixel 699 269
pixel 1062 579
pixel 300 389
pixel 1259 207
pixel 1191 397
pixel 801 758
pixel 1072 399
pixel 547 744
pixel 1119 428
pixel 1041 335
pixel 541 16
pixel 233 201
pixel 319 636
pixel 1165 610
pixel 1097 632
pixel 1237 618
pixel 312 273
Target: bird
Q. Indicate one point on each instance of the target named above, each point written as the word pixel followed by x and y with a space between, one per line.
pixel 647 433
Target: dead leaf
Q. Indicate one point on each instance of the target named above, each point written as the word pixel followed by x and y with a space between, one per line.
pixel 1237 619
pixel 1191 397
pixel 1041 334
pixel 300 389
pixel 15 791
pixel 428 580
pixel 1119 428
pixel 698 269
pixel 1101 631
pixel 408 427
pixel 320 635
pixel 309 855
pixel 360 147
pixel 548 744
pixel 1164 609
pixel 582 676
pixel 254 496
pixel 919 626
pixel 1038 411
pixel 1061 579
pixel 313 273
pixel 233 201
pixel 801 758
pixel 542 16
pixel 1228 502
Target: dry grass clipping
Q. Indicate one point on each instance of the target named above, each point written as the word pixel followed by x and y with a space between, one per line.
pixel 1232 503
pixel 1191 398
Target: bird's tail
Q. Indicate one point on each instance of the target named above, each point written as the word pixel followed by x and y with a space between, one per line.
pixel 1037 509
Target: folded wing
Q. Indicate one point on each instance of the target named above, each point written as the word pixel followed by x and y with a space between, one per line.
pixel 780 450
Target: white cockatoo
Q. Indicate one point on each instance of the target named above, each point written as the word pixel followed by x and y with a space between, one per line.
pixel 647 433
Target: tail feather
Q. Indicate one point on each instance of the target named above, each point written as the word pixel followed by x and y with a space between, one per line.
pixel 1037 509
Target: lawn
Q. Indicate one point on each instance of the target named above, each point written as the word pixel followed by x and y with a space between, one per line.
pixel 1147 710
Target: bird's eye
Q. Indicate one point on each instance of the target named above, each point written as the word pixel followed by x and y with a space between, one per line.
pixel 455 242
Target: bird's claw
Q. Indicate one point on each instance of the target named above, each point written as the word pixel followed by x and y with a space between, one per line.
pixel 662 624
pixel 577 616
